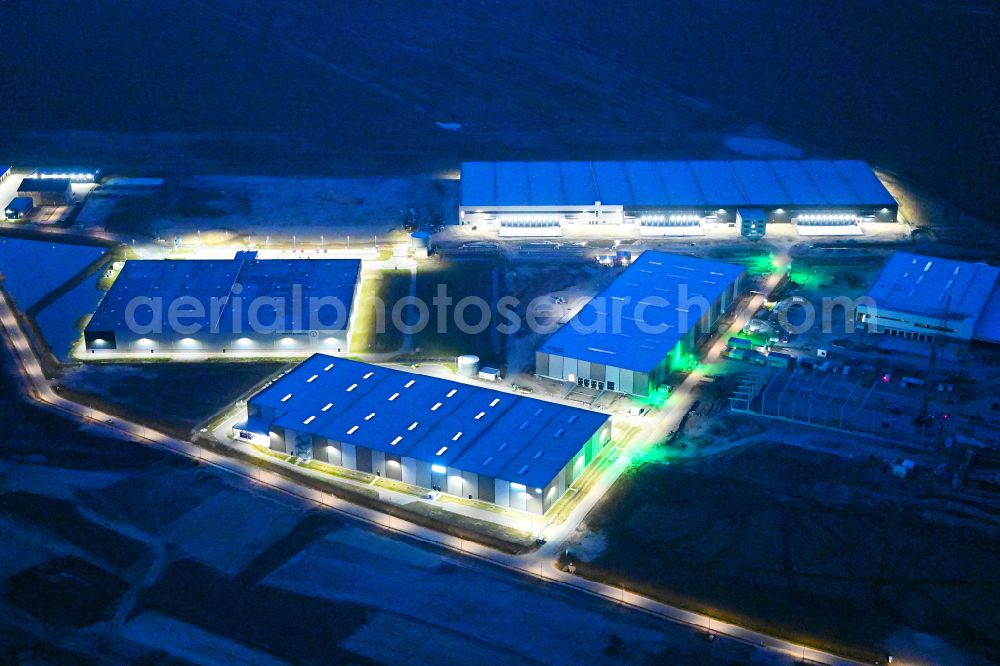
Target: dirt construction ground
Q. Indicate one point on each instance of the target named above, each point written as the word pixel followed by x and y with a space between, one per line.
pixel 811 544
pixel 117 552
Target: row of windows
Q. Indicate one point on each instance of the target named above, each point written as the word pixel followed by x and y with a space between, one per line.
pixel 908 335
pixel 596 384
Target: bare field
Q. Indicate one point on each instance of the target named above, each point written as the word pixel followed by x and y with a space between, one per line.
pixel 174 396
pixel 120 552
pixel 810 545
pixel 320 88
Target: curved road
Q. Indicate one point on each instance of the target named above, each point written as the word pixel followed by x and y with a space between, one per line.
pixel 537 564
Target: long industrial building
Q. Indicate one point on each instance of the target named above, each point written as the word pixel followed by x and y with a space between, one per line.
pixel 46 192
pixel 243 305
pixel 465 440
pixel 643 326
pixel 918 297
pixel 539 198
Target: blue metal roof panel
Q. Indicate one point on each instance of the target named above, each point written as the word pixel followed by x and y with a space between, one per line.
pixel 211 282
pixel 21 204
pixel 864 182
pixel 513 188
pixel 578 183
pixel 718 183
pixel 660 297
pixel 478 184
pixel 988 326
pixel 545 184
pixel 797 182
pixel 648 188
pixel 759 183
pixel 835 188
pixel 612 183
pixel 672 184
pixel 682 188
pixel 933 286
pixel 316 281
pixel 435 420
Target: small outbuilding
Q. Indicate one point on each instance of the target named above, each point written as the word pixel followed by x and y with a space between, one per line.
pixel 4 173
pixel 18 208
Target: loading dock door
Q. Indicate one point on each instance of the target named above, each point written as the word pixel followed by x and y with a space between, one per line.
pixel 487 488
pixel 393 467
pixel 364 459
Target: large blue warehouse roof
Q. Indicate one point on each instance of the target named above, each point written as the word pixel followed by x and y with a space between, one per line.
pixel 471 428
pixel 932 286
pixel 208 279
pixel 680 184
pixel 650 294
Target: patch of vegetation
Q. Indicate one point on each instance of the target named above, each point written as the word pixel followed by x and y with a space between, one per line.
pixel 475 525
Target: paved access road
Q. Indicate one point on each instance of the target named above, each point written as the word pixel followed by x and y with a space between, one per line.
pixel 537 564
